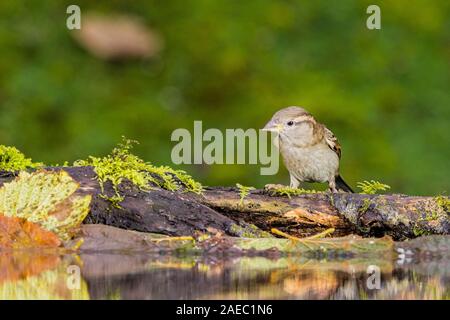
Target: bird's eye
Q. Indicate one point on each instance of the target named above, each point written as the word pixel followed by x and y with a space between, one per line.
pixel 290 123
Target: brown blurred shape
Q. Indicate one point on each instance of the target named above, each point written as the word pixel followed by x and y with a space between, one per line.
pixel 117 37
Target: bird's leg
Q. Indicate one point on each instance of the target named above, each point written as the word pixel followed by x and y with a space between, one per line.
pixel 332 184
pixel 273 187
pixel 294 182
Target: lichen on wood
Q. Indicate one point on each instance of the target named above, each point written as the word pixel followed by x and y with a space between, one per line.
pixel 47 199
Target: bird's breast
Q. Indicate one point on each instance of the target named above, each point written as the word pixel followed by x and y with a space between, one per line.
pixel 314 163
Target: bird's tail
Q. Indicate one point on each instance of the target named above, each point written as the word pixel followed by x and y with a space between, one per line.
pixel 342 185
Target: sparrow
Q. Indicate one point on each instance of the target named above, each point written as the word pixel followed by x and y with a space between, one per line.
pixel 310 151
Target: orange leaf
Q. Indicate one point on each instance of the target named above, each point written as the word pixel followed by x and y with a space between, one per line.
pixel 16 233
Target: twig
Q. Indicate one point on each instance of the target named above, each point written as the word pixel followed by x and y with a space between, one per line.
pixel 185 238
pixel 304 241
pixel 321 234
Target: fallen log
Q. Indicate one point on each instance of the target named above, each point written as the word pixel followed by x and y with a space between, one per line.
pixel 223 210
pixel 399 216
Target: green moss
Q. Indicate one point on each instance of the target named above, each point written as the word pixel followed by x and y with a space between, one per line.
pixel 64 164
pixel 432 216
pixel 372 187
pixel 331 198
pixel 122 165
pixel 434 210
pixel 288 191
pixel 418 231
pixel 250 231
pixel 443 202
pixel 12 160
pixel 243 192
pixel 365 206
pixel 428 215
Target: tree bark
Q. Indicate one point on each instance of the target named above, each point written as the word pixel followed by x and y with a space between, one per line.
pixel 221 210
pixel 399 216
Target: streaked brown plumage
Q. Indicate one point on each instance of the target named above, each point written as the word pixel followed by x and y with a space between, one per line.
pixel 310 150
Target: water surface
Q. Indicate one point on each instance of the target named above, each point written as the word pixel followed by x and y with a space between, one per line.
pixel 49 275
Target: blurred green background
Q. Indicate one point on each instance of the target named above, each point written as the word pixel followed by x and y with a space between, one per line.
pixel 232 64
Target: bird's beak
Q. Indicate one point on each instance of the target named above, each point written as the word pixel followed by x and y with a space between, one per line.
pixel 273 127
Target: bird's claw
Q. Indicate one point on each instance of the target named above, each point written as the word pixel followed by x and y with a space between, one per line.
pixel 273 187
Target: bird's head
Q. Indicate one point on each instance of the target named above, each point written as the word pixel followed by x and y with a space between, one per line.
pixel 294 125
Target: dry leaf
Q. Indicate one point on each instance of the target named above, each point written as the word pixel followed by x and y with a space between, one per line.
pixel 17 233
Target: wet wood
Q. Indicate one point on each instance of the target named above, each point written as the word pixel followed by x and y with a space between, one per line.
pixel 221 210
pixel 102 238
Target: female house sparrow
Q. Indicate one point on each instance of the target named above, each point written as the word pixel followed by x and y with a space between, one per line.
pixel 310 150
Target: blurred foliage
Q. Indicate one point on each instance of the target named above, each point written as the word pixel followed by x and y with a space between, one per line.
pixel 232 64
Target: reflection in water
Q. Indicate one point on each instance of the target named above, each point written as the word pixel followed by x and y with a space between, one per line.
pixel 38 275
pixel 31 275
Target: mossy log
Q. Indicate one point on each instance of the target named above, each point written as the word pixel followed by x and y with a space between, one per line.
pixel 221 210
pixel 399 216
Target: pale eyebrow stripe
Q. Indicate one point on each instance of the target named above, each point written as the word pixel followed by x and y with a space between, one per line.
pixel 303 118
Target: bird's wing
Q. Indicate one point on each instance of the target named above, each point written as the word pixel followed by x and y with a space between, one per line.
pixel 332 141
